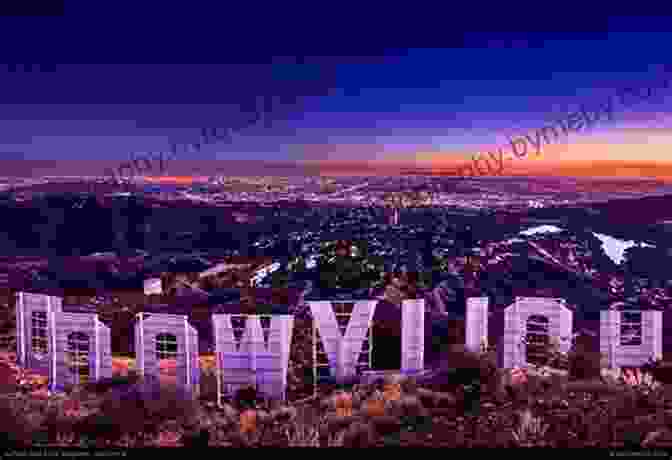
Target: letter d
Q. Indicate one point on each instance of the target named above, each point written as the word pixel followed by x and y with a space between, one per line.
pixel 514 143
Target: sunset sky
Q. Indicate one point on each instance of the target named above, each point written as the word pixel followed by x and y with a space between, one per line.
pixel 425 108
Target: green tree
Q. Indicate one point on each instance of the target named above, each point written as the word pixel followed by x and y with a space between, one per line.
pixel 298 264
pixel 280 279
pixel 341 266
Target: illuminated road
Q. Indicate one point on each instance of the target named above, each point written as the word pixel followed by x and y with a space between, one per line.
pixel 348 190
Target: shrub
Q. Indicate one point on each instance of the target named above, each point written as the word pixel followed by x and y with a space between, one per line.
pixel 138 408
pixel 459 367
pixel 208 384
pixel 584 365
pixel 358 435
pixel 392 391
pixel 248 421
pixel 661 371
pixel 104 427
pixel 104 384
pixel 7 379
pixel 245 398
pixel 343 402
pixel 57 424
pixel 200 438
pixel 15 430
pixel 374 407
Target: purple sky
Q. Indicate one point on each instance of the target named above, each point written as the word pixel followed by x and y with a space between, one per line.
pixel 448 101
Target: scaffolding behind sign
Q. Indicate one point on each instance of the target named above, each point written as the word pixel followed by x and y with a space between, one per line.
pixel 340 351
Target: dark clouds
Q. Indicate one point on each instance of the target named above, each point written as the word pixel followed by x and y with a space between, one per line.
pixel 164 70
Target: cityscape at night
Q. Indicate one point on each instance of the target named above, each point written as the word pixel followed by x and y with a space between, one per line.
pixel 220 231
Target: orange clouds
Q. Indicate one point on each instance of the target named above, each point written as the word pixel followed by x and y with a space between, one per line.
pixel 622 152
pixel 174 179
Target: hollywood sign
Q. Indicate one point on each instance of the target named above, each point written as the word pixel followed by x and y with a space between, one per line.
pixel 627 338
pixel 73 348
pixel 343 349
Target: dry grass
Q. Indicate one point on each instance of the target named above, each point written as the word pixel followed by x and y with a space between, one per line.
pixel 580 406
